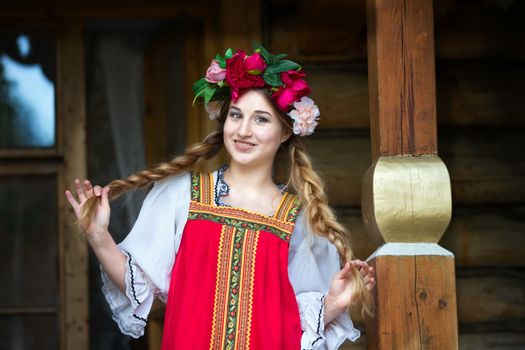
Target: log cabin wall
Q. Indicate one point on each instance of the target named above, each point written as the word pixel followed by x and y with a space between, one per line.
pixel 480 53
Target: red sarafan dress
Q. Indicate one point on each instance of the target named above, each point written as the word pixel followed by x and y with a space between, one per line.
pixel 229 286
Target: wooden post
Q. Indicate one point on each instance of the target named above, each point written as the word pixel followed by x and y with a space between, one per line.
pixel 74 259
pixel 406 198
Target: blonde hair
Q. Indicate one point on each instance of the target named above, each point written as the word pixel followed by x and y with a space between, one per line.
pixel 304 180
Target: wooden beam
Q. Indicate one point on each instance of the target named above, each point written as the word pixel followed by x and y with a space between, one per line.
pixel 407 199
pixel 73 247
pixel 401 77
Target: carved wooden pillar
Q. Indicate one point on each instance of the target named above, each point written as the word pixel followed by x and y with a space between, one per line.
pixel 406 191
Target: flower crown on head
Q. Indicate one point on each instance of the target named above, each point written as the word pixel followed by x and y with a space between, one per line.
pixel 235 73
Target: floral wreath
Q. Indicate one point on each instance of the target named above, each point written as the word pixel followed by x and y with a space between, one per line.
pixel 236 72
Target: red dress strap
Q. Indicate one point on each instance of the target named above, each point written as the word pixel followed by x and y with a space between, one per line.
pixel 202 188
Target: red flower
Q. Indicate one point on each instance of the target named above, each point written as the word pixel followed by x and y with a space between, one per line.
pixel 293 89
pixel 244 72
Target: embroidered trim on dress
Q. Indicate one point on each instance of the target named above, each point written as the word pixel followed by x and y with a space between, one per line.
pixel 132 281
pixel 243 220
pixel 232 310
pixel 139 318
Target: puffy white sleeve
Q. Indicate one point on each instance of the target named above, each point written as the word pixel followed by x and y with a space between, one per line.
pixel 313 262
pixel 150 247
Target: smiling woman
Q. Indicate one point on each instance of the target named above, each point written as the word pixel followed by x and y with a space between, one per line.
pixel 243 263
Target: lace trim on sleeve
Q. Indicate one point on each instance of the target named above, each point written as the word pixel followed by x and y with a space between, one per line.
pixel 130 310
pixel 317 335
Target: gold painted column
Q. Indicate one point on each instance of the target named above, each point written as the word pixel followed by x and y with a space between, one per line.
pixel 406 199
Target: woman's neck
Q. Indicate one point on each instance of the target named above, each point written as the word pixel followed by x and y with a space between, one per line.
pixel 255 178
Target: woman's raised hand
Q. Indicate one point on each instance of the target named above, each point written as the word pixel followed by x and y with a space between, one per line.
pixel 98 225
pixel 339 296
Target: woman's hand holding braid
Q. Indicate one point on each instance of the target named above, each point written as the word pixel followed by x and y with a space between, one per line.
pixel 339 297
pixel 96 228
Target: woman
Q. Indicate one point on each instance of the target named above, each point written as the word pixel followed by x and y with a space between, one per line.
pixel 242 262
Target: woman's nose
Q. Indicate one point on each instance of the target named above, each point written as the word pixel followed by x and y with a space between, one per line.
pixel 245 127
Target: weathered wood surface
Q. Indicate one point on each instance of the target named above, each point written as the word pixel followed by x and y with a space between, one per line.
pixel 73 247
pixel 415 303
pixel 401 76
pixel 484 165
pixel 492 341
pixel 341 92
pixel 487 236
pixel 490 296
pixel 477 236
pixel 479 29
pixel 468 94
pixel 464 30
pixel 480 94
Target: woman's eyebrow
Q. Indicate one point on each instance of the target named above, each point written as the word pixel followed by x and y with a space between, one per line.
pixel 258 111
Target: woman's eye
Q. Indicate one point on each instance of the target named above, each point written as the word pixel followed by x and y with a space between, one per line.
pixel 261 119
pixel 235 115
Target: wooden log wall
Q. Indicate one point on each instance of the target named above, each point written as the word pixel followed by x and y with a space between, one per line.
pixel 480 67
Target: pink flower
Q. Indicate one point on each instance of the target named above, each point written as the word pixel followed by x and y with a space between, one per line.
pixel 293 89
pixel 213 108
pixel 244 72
pixel 215 73
pixel 304 114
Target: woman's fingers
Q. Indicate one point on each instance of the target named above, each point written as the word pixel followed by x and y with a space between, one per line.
pixel 80 191
pixel 71 199
pixel 88 189
pixel 105 201
pixel 343 273
pixel 97 190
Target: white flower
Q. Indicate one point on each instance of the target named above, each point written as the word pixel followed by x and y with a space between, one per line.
pixel 305 115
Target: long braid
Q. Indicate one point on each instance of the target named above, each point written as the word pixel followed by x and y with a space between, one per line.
pixel 321 218
pixel 194 155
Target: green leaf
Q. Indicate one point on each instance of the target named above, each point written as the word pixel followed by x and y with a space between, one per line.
pixel 228 54
pixel 254 72
pixel 221 60
pixel 279 56
pixel 283 66
pixel 268 57
pixel 199 85
pixel 209 91
pixel 272 79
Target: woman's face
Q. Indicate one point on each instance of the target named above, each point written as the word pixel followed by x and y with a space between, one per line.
pixel 253 131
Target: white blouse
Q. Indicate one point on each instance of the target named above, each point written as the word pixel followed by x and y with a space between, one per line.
pixel 151 248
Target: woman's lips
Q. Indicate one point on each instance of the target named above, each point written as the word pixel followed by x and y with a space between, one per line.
pixel 243 146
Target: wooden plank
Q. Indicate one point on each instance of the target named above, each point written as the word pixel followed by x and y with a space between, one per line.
pixel 483 165
pixel 240 24
pixel 435 294
pixel 486 236
pixel 490 296
pixel 492 341
pixel 401 77
pixel 415 303
pixel 477 236
pixel 480 94
pixel 72 248
pixel 480 30
pixel 341 92
pixel 303 29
